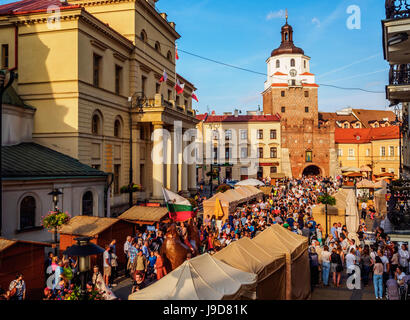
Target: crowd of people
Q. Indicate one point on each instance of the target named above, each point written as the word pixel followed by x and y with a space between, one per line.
pixel 333 258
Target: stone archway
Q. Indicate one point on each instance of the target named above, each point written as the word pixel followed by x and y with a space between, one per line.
pixel 312 170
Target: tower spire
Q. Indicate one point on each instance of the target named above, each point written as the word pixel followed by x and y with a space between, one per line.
pixel 287 16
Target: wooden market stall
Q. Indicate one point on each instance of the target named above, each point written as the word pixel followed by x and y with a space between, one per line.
pixel 102 230
pixel 145 215
pixel 26 257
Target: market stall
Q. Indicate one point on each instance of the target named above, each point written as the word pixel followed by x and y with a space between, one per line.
pixel 201 278
pixel 248 256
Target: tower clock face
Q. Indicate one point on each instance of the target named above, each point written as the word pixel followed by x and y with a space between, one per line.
pixel 293 73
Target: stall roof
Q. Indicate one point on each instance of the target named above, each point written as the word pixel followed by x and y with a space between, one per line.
pixel 7 243
pixel 146 214
pixel 87 226
pixel 201 278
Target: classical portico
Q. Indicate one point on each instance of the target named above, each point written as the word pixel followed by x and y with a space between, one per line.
pixel 166 126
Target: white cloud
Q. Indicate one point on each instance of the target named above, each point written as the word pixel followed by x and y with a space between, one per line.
pixel 316 21
pixel 276 14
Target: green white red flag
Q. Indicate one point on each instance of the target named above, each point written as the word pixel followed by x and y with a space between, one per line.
pixel 179 208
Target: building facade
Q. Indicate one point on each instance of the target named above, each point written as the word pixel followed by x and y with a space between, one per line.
pixel 239 146
pixel 396 48
pixel 92 70
pixel 376 148
pixel 292 93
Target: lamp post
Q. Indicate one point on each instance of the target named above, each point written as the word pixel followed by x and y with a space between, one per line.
pixel 137 99
pixel 326 184
pixel 6 79
pixel 55 194
pixel 83 250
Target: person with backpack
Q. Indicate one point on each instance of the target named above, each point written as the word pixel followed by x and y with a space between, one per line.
pixel 17 288
pixel 314 267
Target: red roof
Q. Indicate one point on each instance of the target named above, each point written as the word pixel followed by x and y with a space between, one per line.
pixel 307 74
pixel 201 117
pixel 26 6
pixel 279 74
pixel 242 118
pixel 366 135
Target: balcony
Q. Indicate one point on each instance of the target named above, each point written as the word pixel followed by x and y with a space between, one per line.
pixel 397 9
pixel 398 89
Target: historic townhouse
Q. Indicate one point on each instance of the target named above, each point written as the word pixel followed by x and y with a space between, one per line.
pixel 92 70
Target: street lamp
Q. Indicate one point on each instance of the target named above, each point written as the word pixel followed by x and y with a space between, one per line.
pixel 6 79
pixel 55 194
pixel 326 184
pixel 137 99
pixel 83 250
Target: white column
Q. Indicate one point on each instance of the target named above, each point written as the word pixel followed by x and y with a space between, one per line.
pixel 158 163
pixel 192 178
pixel 184 171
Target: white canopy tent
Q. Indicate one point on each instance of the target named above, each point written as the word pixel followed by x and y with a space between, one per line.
pixel 201 278
pixel 250 182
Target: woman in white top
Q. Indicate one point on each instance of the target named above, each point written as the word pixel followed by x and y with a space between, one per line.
pixel 100 285
pixel 404 258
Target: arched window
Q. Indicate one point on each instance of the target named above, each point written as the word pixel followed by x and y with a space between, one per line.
pixel 277 63
pixel 286 36
pixel 88 204
pixel 117 128
pixel 96 124
pixel 157 46
pixel 143 36
pixel 169 56
pixel 292 62
pixel 27 213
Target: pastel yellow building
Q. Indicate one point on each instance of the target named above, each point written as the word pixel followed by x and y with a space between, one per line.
pixel 85 66
pixel 245 146
pixel 377 148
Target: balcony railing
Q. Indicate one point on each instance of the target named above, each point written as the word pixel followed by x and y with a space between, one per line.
pixel 400 74
pixel 397 9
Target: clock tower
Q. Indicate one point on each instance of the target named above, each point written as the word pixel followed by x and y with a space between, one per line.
pixel 292 93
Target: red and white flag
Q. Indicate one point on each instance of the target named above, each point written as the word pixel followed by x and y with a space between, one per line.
pixel 195 97
pixel 179 87
pixel 176 52
pixel 164 77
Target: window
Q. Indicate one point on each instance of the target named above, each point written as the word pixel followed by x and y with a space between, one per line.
pixel 5 56
pixel 286 36
pixel 96 69
pixel 306 109
pixel 357 125
pixel 273 152
pixel 244 153
pixel 157 47
pixel 309 156
pixel 185 102
pixel 177 101
pixel 367 152
pixel 117 171
pixel 143 36
pixel 292 62
pixel 157 88
pixel 351 154
pixel 118 78
pixel 346 126
pixel 277 63
pixel 117 128
pixel 244 134
pixel 391 151
pixel 304 64
pixel 382 151
pixel 383 170
pixel 215 153
pixel 169 95
pixel 273 134
pixel 227 153
pixel 169 56
pixel 215 135
pixel 228 135
pixel 306 94
pixel 88 204
pixel 283 109
pixel 293 82
pixel 143 84
pixel 96 166
pixel 96 124
pixel 282 93
pixel 260 134
pixel 273 170
pixel 340 152
pixel 27 213
pixel 260 153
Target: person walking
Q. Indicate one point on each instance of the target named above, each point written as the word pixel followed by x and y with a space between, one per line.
pixel 314 267
pixel 378 278
pixel 325 265
pixel 17 288
pixel 365 263
pixel 107 264
pixel 364 211
pixel 336 267
pixel 404 258
pixel 159 266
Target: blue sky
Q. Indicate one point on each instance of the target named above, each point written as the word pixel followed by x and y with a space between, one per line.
pixel 244 32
